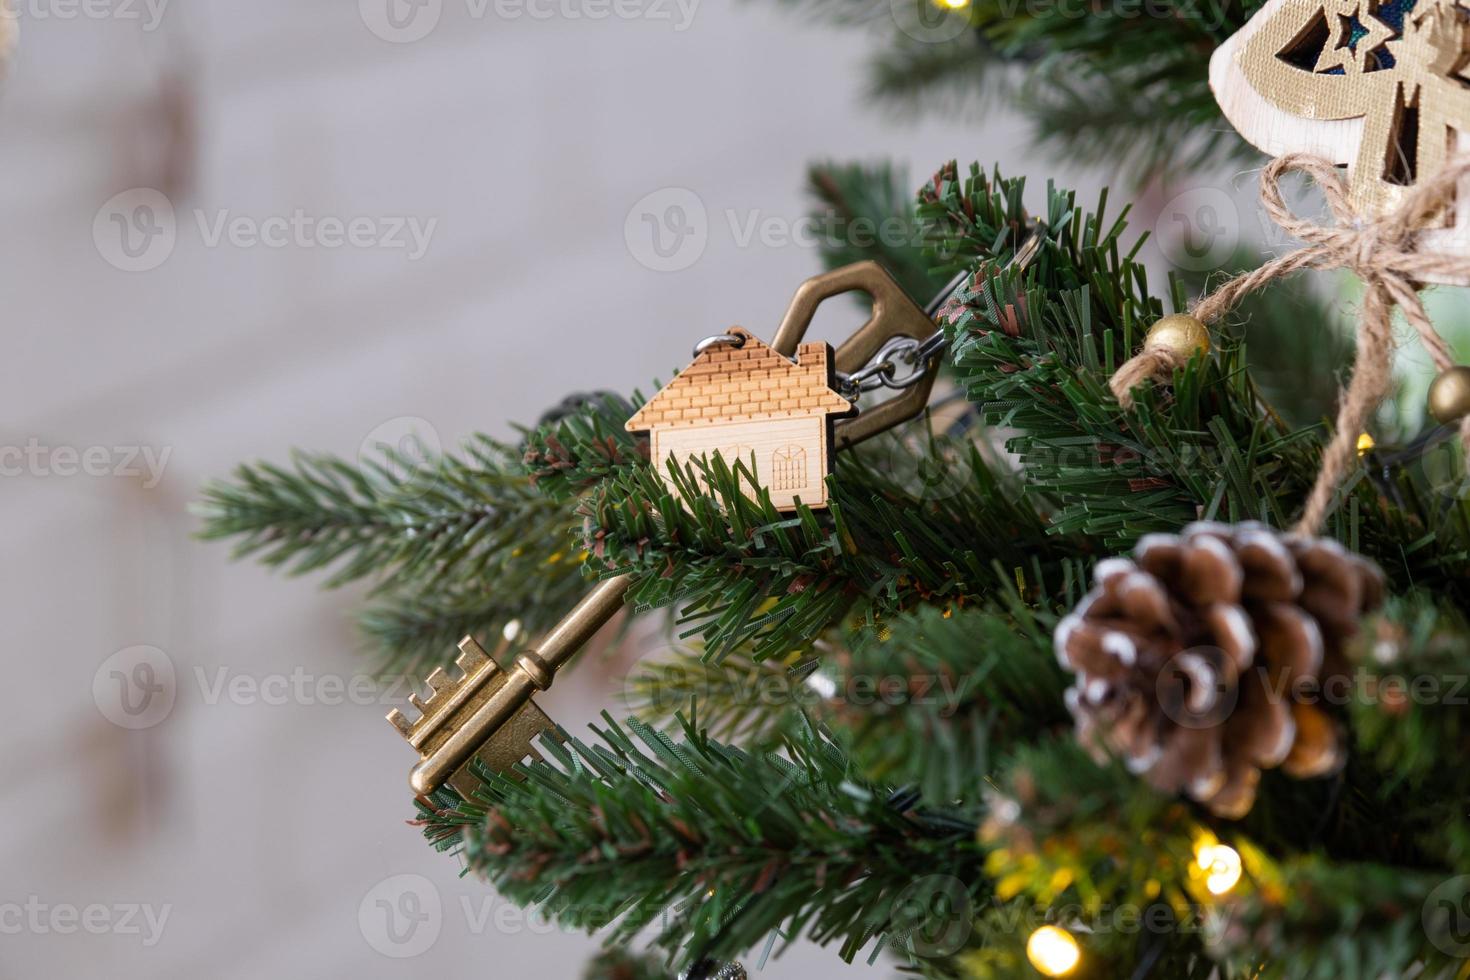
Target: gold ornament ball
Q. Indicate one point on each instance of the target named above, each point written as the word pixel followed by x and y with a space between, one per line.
pixel 1179 334
pixel 1449 396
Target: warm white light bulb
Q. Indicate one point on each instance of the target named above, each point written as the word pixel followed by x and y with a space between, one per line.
pixel 1053 951
pixel 1221 864
pixel 953 4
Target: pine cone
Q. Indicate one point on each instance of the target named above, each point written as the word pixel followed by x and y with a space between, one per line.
pixel 1196 660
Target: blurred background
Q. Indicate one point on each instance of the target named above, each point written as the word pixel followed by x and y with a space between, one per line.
pixel 232 229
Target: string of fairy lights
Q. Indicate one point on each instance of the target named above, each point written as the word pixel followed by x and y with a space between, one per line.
pixel 1055 952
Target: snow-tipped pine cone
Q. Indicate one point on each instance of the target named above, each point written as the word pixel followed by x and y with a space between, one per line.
pixel 1196 659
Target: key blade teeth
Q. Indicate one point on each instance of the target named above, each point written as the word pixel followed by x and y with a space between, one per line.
pixel 449 699
pixel 484 718
pixel 400 721
pixel 540 719
pixel 471 657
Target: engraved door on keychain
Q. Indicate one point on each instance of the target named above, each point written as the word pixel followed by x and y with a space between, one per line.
pixel 749 404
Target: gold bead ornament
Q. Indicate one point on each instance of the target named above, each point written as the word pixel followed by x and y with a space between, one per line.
pixel 1180 334
pixel 1449 395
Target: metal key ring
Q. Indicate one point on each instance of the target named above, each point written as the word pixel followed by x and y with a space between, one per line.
pixel 719 339
pixel 882 370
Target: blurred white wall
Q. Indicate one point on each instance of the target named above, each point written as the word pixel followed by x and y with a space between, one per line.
pixel 526 145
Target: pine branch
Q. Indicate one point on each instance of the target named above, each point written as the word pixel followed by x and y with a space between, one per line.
pixel 1035 350
pixel 414 632
pixel 1134 941
pixel 1350 920
pixel 930 699
pixel 1408 703
pixel 716 846
pixel 432 533
pixel 1134 119
pixel 739 699
pixel 1064 833
pixel 587 446
pixel 1059 820
pixel 424 520
pixel 939 699
pixel 1122 84
pixel 958 77
pixel 742 572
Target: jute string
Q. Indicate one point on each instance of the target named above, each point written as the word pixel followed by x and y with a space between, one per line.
pixel 1384 255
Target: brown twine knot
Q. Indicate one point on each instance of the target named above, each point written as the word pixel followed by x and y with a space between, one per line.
pixel 1384 255
pixel 1156 363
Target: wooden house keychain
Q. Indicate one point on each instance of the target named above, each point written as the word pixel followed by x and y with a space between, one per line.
pixel 784 409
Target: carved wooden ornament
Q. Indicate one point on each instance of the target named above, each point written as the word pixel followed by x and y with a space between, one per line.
pixel 751 404
pixel 1379 86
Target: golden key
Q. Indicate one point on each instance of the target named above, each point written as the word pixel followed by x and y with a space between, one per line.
pixel 487 713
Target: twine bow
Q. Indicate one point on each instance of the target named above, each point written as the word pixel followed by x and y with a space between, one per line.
pixel 1384 255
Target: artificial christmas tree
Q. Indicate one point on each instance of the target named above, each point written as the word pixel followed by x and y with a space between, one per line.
pixel 1280 832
